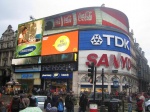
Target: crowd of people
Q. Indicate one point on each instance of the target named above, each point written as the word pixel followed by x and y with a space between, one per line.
pixel 57 102
pixel 18 102
pixel 140 99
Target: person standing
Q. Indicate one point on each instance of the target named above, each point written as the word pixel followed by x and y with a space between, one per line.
pixel 139 105
pixel 15 104
pixel 26 100
pixel 60 105
pixel 83 103
pixel 129 103
pixel 142 98
pixel 48 100
pixel 73 100
pixel 68 103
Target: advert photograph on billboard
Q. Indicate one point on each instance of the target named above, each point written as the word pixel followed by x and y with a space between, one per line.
pixel 29 39
pixel 60 43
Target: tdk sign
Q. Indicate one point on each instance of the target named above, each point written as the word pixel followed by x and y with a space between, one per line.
pixel 104 40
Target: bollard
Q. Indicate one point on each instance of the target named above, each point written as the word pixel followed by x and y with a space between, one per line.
pixel 93 108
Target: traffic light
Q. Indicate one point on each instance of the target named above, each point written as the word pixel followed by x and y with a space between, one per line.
pixel 91 72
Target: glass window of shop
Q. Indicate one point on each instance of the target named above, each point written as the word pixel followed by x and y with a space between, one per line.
pixel 99 79
pixel 114 89
pixel 58 85
pixel 85 79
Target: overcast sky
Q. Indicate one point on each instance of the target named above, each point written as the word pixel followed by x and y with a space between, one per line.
pixel 14 12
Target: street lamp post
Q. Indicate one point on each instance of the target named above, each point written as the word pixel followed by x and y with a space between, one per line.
pixel 102 108
pixel 102 86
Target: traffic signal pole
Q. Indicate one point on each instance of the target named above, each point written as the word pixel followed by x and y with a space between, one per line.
pixel 94 82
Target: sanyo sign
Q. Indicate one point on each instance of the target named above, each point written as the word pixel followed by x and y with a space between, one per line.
pixel 104 40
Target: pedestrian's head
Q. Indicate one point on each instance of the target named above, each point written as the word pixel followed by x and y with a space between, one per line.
pixel 48 95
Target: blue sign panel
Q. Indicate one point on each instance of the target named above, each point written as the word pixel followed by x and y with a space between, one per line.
pixel 57 75
pixel 116 84
pixel 104 40
pixel 26 76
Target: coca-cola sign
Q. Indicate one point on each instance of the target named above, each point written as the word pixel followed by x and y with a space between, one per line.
pixel 86 17
pixel 57 22
pixel 67 20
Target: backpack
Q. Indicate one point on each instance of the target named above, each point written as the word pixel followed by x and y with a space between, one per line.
pixel 60 106
pixel 48 107
pixel 32 102
pixel 15 103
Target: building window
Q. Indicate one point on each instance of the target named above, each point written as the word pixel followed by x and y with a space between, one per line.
pixel 99 79
pixel 85 79
pixel 115 78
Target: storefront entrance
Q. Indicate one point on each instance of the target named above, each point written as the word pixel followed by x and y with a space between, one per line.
pixel 58 85
pixel 26 84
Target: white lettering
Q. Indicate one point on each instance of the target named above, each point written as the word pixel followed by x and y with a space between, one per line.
pixel 87 16
pixel 64 74
pixel 67 19
pixel 119 42
pixel 108 38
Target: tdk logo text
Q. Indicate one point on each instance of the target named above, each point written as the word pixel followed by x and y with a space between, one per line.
pixel 118 41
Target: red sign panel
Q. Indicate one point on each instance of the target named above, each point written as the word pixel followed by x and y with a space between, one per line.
pixel 86 17
pixel 68 20
pixel 57 22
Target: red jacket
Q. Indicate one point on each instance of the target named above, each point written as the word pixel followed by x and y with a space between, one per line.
pixel 139 105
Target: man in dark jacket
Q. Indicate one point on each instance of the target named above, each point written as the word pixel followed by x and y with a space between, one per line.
pixel 15 104
pixel 48 100
pixel 69 103
pixel 83 103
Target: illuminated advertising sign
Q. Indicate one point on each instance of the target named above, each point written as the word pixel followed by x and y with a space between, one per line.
pixel 57 22
pixel 29 39
pixel 60 43
pixel 109 60
pixel 59 58
pixel 29 68
pixel 68 20
pixel 59 67
pixel 25 61
pixel 104 40
pixel 86 17
pixel 114 18
pixel 57 75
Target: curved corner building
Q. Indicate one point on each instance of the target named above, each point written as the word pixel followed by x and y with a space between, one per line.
pixel 74 39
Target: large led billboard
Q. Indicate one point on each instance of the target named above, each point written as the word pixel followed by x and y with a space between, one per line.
pixel 104 40
pixel 60 43
pixel 29 39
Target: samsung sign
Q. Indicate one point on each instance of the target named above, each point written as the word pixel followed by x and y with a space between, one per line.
pixel 104 40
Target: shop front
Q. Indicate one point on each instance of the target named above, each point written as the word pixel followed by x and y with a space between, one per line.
pixel 57 81
pixel 89 88
pixel 28 80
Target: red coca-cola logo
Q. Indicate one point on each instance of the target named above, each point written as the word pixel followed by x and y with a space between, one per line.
pixel 57 22
pixel 68 20
pixel 86 17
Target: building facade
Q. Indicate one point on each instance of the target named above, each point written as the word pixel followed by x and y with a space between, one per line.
pixel 7 48
pixel 56 51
